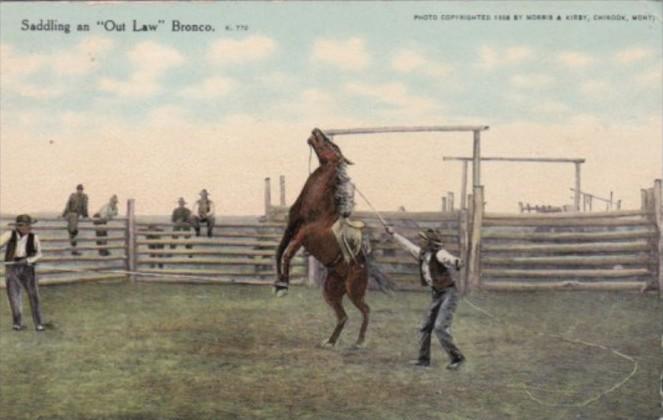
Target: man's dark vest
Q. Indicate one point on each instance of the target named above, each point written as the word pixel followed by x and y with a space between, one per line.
pixel 30 249
pixel 439 273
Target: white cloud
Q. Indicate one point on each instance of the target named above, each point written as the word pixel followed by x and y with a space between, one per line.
pixel 632 55
pixel 210 88
pixel 575 59
pixel 82 59
pixel 150 61
pixel 551 107
pixel 349 54
pixel 395 94
pixel 650 78
pixel 595 88
pixel 531 80
pixel 230 51
pixel 407 61
pixel 491 58
pixel 19 71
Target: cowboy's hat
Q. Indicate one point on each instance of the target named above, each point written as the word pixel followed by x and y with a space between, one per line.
pixel 204 192
pixel 432 235
pixel 79 186
pixel 23 219
pixel 181 201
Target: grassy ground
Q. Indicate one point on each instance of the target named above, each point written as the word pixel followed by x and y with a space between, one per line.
pixel 166 351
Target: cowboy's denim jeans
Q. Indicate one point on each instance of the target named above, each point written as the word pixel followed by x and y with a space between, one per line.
pixel 438 319
pixel 19 277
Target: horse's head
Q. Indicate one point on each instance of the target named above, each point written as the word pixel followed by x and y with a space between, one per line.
pixel 325 149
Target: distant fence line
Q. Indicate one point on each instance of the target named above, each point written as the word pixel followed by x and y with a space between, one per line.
pixel 602 250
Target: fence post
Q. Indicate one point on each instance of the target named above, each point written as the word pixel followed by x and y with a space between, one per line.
pixel 268 196
pixel 464 241
pixel 131 238
pixel 282 190
pixel 658 217
pixel 450 201
pixel 444 204
pixel 474 264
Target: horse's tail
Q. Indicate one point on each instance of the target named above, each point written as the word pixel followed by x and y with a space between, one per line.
pixel 380 279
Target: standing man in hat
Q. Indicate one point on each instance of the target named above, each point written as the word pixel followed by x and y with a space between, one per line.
pixel 203 211
pixel 76 207
pixel 107 212
pixel 22 252
pixel 434 265
pixel 181 219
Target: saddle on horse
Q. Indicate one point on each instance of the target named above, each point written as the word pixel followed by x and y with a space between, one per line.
pixel 348 234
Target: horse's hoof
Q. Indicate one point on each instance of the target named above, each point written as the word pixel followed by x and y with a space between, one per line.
pixel 326 344
pixel 280 291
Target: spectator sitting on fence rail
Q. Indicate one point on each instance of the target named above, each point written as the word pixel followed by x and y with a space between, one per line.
pixel 22 252
pixel 181 219
pixel 107 212
pixel 203 211
pixel 76 207
pixel 434 262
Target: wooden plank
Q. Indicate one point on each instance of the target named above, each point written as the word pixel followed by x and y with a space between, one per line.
pixel 11 218
pixel 602 221
pixel 587 260
pixel 83 258
pixel 579 248
pixel 207 241
pixel 564 216
pixel 658 217
pixel 464 249
pixel 641 233
pixel 80 239
pixel 47 271
pixel 181 251
pixel 43 228
pixel 209 261
pixel 512 286
pixel 412 129
pixel 201 272
pixel 47 249
pixel 225 235
pixel 636 272
pixel 222 225
pixel 430 216
pixel 474 264
pixel 207 280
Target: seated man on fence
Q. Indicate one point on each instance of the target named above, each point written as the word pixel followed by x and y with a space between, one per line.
pixel 203 211
pixel 181 219
pixel 107 212
pixel 76 207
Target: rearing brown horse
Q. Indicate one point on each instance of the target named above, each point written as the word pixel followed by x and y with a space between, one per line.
pixel 324 198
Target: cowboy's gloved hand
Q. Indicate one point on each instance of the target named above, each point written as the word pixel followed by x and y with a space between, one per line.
pixel 389 230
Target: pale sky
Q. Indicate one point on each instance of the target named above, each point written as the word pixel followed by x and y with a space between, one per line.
pixel 159 115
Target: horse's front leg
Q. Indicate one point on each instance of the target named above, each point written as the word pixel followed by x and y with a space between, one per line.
pixel 281 286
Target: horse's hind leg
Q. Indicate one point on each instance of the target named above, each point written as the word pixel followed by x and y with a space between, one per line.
pixel 334 289
pixel 356 287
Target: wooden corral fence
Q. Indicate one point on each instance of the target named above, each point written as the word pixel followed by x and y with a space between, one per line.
pixel 241 252
pixel 58 266
pixel 601 250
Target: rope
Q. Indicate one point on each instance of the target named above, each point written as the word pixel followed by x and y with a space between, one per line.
pixel 384 222
pixel 586 402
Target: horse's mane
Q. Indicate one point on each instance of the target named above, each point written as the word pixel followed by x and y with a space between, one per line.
pixel 344 195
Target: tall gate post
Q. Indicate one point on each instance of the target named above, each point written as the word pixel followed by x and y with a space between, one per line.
pixel 576 198
pixel 282 190
pixel 131 238
pixel 658 217
pixel 464 242
pixel 474 263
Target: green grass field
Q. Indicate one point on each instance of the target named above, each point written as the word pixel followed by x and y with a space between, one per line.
pixel 149 351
